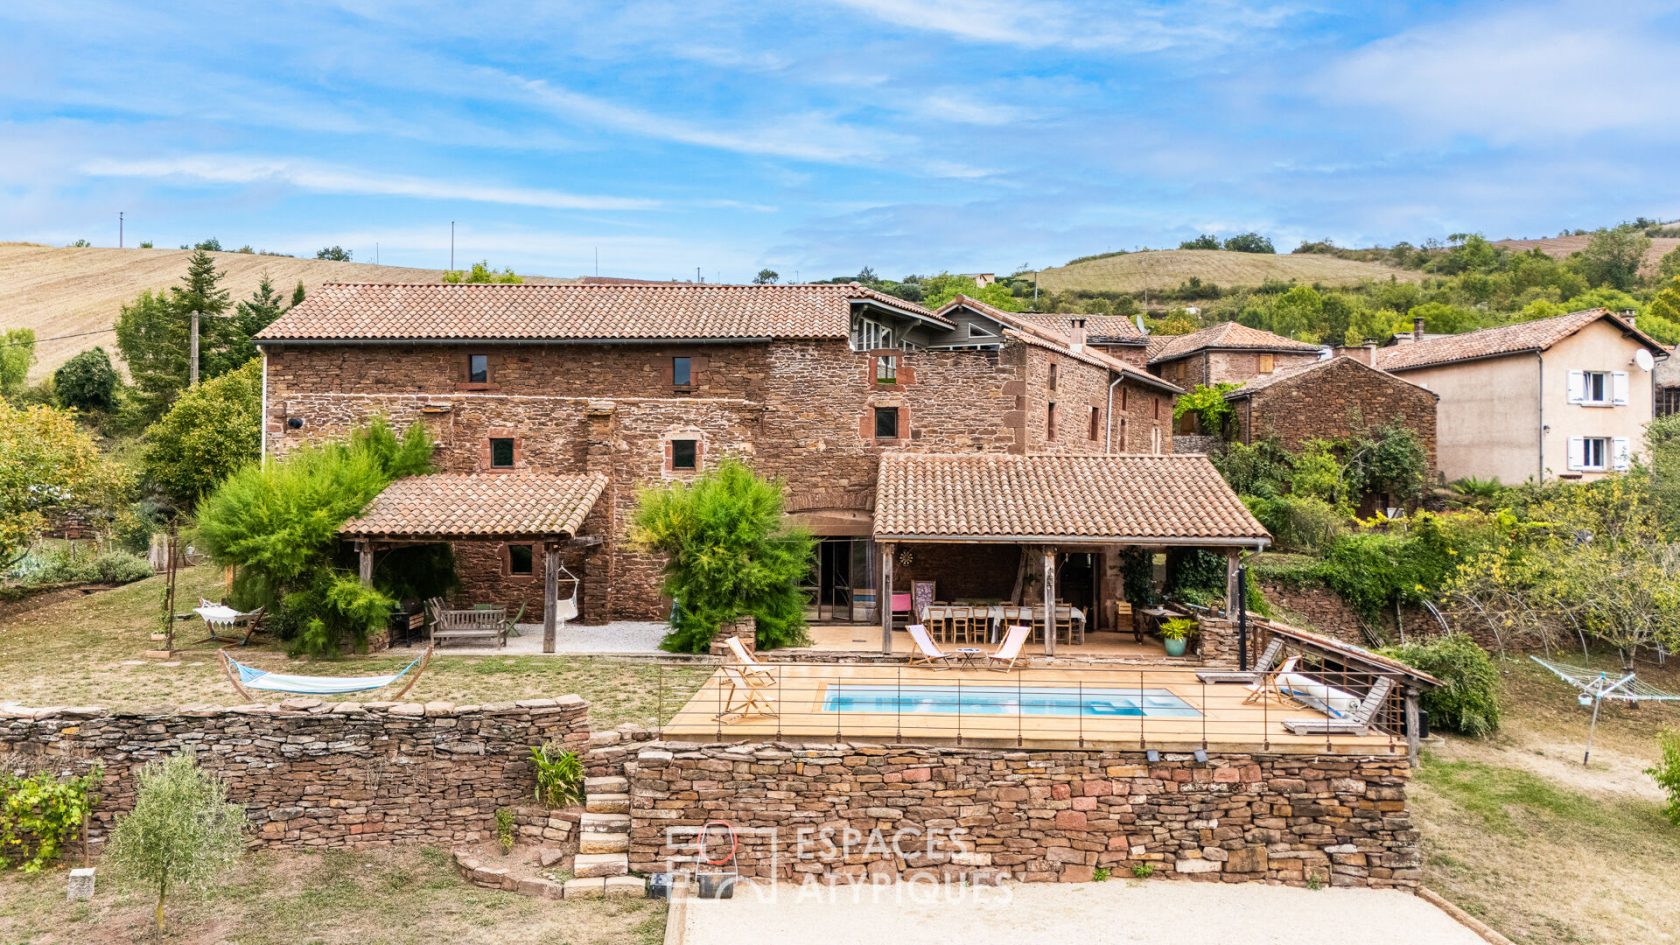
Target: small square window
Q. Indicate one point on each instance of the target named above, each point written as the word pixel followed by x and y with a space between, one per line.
pixel 682 372
pixel 501 452
pixel 520 559
pixel 478 369
pixel 886 423
pixel 886 369
pixel 684 454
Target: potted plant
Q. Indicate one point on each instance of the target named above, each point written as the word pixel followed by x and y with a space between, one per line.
pixel 1175 634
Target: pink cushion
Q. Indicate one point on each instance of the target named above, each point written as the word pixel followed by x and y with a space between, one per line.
pixel 901 603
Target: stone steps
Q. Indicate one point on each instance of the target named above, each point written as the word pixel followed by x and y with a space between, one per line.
pixel 604 843
pixel 606 785
pixel 606 887
pixel 590 865
pixel 604 823
pixel 607 804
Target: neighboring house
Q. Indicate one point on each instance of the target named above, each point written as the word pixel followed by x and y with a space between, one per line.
pixel 553 404
pixel 1556 397
pixel 1667 378
pixel 1118 336
pixel 1226 353
pixel 1331 399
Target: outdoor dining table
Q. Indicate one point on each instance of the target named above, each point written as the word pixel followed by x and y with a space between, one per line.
pixel 939 615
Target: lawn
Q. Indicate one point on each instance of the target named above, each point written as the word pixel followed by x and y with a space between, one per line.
pixel 86 650
pixel 1518 833
pixel 403 896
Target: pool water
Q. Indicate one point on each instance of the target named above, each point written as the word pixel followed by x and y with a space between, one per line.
pixel 1007 700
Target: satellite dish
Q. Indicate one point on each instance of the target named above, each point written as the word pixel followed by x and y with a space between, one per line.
pixel 1643 359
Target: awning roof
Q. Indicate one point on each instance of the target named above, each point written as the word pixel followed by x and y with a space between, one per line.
pixel 1348 652
pixel 487 505
pixel 1045 499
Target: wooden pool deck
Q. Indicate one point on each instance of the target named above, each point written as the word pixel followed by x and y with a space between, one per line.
pixel 1224 721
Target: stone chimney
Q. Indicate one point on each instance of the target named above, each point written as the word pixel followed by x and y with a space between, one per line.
pixel 1366 353
pixel 1417 328
pixel 1631 317
pixel 1076 334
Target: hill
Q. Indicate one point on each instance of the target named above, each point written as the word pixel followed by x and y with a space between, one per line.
pixel 69 291
pixel 1158 270
pixel 1559 247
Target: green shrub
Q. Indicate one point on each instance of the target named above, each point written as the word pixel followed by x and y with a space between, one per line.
pixel 1468 700
pixel 334 614
pixel 559 775
pixel 1298 523
pixel 182 833
pixel 40 814
pixel 728 553
pixel 504 829
pixel 118 567
pixel 1667 772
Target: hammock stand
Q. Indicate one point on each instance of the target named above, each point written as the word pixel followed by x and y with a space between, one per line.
pixel 1594 686
pixel 242 675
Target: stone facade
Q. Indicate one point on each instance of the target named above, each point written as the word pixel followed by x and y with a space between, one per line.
pixel 980 815
pixel 1339 399
pixel 1212 366
pixel 311 773
pixel 803 411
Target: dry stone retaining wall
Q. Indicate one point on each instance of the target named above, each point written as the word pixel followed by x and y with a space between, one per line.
pixel 981 815
pixel 312 773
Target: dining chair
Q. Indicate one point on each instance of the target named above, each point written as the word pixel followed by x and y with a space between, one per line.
pixel 1064 623
pixel 961 618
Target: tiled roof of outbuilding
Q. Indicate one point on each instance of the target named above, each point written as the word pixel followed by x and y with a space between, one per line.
pixel 1537 335
pixel 1225 336
pixel 499 312
pixel 1290 374
pixel 1112 328
pixel 484 505
pixel 1053 498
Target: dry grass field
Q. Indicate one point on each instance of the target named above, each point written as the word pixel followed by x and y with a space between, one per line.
pixel 67 291
pixel 1166 269
pixel 1559 247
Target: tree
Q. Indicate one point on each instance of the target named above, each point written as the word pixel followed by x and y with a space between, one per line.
pixel 940 289
pixel 1668 269
pixel 297 294
pixel 481 273
pixel 87 382
pixel 182 834
pixel 1612 258
pixel 249 317
pixel 17 353
pixel 728 554
pixel 334 253
pixel 208 433
pixel 1207 403
pixel 153 334
pixel 1249 243
pixel 766 277
pixel 49 465
pixel 211 245
pixel 1204 241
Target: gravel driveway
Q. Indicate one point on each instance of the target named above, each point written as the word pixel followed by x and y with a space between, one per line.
pixel 1118 912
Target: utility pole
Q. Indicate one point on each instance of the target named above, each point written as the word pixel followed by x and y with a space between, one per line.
pixel 597 262
pixel 451 245
pixel 119 229
pixel 192 370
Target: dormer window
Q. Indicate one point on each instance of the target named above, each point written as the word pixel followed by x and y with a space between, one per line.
pixel 977 330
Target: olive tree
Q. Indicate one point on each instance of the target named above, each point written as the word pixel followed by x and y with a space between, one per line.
pixel 182 835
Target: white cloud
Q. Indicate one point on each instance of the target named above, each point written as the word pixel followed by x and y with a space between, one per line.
pixel 1530 74
pixel 1041 24
pixel 330 179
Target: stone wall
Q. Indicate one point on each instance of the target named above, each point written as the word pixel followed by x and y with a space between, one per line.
pixel 311 773
pixel 984 814
pixel 1342 398
pixel 1315 607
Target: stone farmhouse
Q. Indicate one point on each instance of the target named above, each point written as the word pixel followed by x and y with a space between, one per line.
pixel 552 405
pixel 1225 353
pixel 1565 397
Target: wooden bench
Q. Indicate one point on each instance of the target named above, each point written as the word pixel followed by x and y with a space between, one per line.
pixel 469 625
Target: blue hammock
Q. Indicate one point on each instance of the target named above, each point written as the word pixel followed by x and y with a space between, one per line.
pixel 243 676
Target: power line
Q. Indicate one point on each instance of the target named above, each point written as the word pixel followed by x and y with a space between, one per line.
pixel 84 334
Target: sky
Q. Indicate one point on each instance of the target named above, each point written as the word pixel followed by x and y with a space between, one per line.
pixel 670 137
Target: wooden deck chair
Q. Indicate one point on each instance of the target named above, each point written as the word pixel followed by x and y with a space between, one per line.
pixel 749 667
pixel 1009 652
pixel 743 694
pixel 1265 685
pixel 1358 723
pixel 928 654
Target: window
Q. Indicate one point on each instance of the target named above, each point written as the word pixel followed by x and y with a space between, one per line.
pixel 1125 395
pixel 682 372
pixel 1052 376
pixel 478 369
pixel 1156 403
pixel 519 559
pixel 868 335
pixel 685 454
pixel 886 369
pixel 501 452
pixel 886 423
pixel 1593 449
pixel 1096 424
pixel 1050 422
pixel 1598 388
pixel 1268 363
pixel 976 330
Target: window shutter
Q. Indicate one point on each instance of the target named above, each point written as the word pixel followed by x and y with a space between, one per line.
pixel 1619 388
pixel 1577 452
pixel 1577 386
pixel 1619 458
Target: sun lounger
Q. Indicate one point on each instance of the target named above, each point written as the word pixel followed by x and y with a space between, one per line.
pixel 1265 686
pixel 1268 658
pixel 750 668
pixel 928 654
pixel 743 693
pixel 1010 651
pixel 1356 722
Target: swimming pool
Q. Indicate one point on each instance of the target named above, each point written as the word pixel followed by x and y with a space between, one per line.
pixel 1091 702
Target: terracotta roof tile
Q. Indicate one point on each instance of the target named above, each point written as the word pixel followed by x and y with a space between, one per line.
pixel 616 310
pixel 1537 335
pixel 1111 328
pixel 487 505
pixel 1226 336
pixel 996 497
pixel 1289 374
pixel 1019 326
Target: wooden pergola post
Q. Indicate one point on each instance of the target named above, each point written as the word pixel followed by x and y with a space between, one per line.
pixel 1049 600
pixel 364 551
pixel 883 601
pixel 551 592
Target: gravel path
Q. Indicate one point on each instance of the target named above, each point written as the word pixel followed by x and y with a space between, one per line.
pixel 1119 912
pixel 624 636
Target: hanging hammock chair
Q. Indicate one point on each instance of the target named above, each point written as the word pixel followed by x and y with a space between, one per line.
pixel 566 608
pixel 245 678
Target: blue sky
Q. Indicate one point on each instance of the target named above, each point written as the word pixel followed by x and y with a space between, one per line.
pixel 819 137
